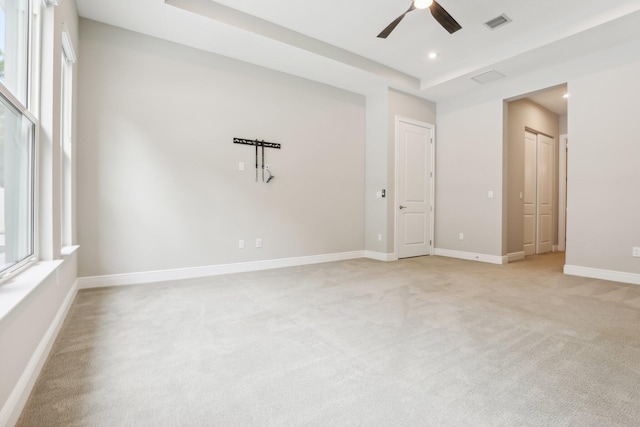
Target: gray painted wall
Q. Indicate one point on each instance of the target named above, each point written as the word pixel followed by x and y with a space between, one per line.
pixel 525 114
pixel 563 124
pixel 469 164
pixel 158 184
pixel 377 166
pixel 603 200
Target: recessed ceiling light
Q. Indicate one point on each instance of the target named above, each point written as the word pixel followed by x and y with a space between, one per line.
pixel 433 55
pixel 565 96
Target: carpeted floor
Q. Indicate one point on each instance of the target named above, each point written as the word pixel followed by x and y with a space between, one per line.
pixel 418 342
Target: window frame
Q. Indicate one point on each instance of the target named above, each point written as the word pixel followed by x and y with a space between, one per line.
pixel 29 109
pixel 9 272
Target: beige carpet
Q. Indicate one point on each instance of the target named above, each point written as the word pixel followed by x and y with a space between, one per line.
pixel 423 341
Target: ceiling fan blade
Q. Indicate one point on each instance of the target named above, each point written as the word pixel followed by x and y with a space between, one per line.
pixel 385 33
pixel 443 18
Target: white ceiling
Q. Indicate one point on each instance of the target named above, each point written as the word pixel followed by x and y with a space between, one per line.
pixel 334 41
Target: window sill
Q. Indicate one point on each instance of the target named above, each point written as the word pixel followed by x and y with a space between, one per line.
pixel 18 288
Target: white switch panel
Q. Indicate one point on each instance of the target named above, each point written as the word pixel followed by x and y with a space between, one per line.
pixel 490 195
pixel 636 252
pixel 258 243
pixel 378 194
pixel 240 244
pixel 461 236
pixel 241 166
pixel 379 237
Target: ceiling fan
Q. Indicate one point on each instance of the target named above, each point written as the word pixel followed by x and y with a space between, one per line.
pixel 438 12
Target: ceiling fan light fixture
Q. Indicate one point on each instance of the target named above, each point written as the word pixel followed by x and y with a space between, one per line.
pixel 422 4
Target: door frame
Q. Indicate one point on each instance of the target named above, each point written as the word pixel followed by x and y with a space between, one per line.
pixel 563 154
pixel 432 128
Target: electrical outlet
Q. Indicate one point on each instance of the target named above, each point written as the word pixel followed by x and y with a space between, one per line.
pixel 258 243
pixel 266 167
pixel 636 252
pixel 240 244
pixel 461 236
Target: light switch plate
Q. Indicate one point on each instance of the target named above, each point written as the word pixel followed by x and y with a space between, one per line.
pixel 636 252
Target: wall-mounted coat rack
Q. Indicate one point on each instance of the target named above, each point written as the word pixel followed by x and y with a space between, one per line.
pixel 259 143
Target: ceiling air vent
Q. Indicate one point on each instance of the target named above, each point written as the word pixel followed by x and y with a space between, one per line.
pixel 488 77
pixel 498 22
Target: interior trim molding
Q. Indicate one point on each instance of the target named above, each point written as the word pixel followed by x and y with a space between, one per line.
pixel 17 400
pixel 515 256
pixel 211 270
pixel 380 256
pixel 471 256
pixel 597 273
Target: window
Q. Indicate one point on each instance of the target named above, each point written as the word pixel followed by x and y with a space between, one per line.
pixel 17 139
pixel 14 40
pixel 16 186
pixel 66 138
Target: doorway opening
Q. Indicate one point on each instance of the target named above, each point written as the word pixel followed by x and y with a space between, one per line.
pixel 536 188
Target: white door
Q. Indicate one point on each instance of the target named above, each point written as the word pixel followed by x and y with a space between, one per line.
pixel 530 184
pixel 538 193
pixel 414 183
pixel 545 194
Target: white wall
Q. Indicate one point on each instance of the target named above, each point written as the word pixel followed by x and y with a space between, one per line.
pixel 604 170
pixel 158 184
pixel 469 163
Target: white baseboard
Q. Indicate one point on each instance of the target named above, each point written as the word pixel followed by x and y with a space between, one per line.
pixel 491 259
pixel 212 270
pixel 14 405
pixel 379 256
pixel 596 273
pixel 515 256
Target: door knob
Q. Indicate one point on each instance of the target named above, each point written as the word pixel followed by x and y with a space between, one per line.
pixel 403 207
